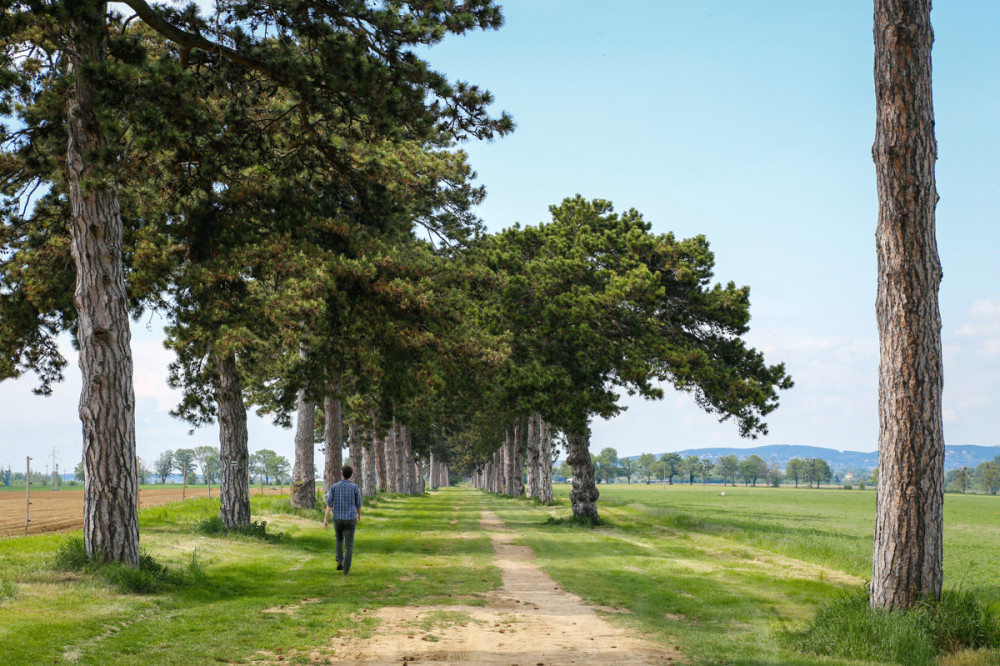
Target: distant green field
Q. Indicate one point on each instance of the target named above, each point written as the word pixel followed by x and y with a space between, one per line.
pixel 253 600
pixel 832 527
pixel 727 577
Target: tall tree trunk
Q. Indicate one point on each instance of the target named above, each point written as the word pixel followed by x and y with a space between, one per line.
pixel 397 452
pixel 906 566
pixel 234 454
pixel 333 437
pixel 303 489
pixel 405 464
pixel 370 488
pixel 545 460
pixel 507 463
pixel 431 481
pixel 381 466
pixel 389 444
pixel 107 397
pixel 584 495
pixel 532 487
pixel 517 459
pixel 355 436
pixel 409 476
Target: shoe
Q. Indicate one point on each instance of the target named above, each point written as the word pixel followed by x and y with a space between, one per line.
pixel 345 572
pixel 340 565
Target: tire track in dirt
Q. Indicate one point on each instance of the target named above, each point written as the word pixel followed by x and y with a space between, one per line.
pixel 530 621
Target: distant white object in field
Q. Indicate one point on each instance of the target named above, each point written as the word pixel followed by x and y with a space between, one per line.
pixel 723 493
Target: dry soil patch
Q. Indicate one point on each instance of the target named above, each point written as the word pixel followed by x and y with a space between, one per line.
pixel 62 510
pixel 529 621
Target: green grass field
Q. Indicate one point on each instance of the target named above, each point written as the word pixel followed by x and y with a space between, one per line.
pixel 728 579
pixel 250 597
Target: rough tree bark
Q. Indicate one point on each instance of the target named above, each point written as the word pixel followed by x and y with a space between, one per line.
pixel 532 450
pixel 506 463
pixel 545 458
pixel 107 397
pixel 389 444
pixel 517 459
pixel 303 489
pixel 499 469
pixel 378 447
pixel 333 437
pixel 584 495
pixel 234 453
pixel 409 476
pixel 370 488
pixel 396 479
pixel 355 452
pixel 908 527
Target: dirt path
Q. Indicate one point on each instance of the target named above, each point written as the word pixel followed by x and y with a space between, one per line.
pixel 529 622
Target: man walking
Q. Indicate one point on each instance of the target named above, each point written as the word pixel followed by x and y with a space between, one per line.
pixel 344 500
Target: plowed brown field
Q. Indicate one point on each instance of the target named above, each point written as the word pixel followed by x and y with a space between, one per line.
pixel 62 510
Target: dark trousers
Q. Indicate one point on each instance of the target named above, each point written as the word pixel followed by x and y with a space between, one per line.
pixel 344 529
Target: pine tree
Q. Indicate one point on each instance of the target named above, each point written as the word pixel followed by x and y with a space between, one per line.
pixel 907 561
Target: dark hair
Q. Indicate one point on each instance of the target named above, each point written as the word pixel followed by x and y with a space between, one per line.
pixel 348 471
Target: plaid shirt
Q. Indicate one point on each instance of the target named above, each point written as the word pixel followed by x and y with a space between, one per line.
pixel 344 498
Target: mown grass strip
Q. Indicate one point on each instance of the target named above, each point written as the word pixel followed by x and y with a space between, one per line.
pixel 257 598
pixel 731 578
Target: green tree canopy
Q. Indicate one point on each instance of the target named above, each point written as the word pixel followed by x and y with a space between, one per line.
pixel 595 303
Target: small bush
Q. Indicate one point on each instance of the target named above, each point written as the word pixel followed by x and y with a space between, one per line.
pixel 71 556
pixel 848 486
pixel 849 628
pixel 256 530
pixel 7 589
pixel 149 576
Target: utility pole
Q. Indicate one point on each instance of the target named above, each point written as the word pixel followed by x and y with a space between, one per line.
pixel 57 481
pixel 27 496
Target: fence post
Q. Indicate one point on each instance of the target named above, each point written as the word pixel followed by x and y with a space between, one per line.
pixel 27 496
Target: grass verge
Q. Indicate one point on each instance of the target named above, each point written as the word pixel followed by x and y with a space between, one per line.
pixel 732 579
pixel 848 627
pixel 149 576
pixel 255 599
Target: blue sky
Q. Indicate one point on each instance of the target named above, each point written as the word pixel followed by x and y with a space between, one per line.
pixel 750 123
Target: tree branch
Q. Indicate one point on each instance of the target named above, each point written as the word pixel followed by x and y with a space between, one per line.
pixel 192 41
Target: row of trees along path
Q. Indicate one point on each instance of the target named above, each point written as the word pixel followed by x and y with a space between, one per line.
pixel 216 160
pixel 260 175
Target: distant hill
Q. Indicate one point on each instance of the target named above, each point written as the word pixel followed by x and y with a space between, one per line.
pixel 955 456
